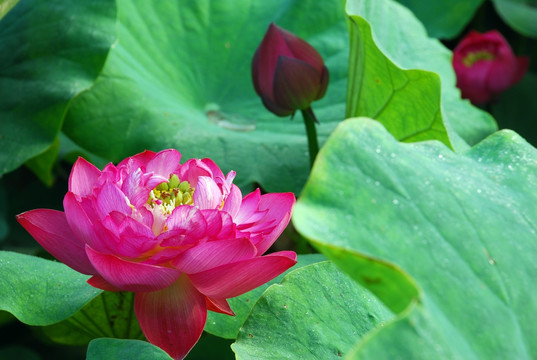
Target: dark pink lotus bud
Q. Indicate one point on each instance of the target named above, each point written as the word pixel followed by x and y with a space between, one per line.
pixel 288 73
pixel 486 66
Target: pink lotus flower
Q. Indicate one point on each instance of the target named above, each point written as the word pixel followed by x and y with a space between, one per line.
pixel 181 237
pixel 288 73
pixel 486 66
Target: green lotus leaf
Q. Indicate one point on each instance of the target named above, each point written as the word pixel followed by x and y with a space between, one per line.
pixel 459 229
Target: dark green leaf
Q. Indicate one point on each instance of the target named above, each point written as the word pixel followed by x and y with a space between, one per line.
pixel 109 349
pixel 110 314
pixel 443 18
pixel 50 51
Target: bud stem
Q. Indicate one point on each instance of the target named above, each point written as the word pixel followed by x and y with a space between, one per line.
pixel 311 132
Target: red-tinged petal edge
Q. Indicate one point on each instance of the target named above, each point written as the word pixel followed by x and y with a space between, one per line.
pixel 100 283
pixel 172 318
pixel 234 279
pixel 219 305
pixel 51 230
pixel 131 276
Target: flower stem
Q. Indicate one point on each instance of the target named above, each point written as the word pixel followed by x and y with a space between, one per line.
pixel 311 132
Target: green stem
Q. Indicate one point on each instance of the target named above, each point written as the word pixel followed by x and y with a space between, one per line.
pixel 311 132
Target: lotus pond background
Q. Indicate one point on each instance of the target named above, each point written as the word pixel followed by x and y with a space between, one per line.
pixel 421 205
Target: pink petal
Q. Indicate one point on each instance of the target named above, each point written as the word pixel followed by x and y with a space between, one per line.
pixel 134 238
pixel 109 199
pixel 187 218
pixel 172 318
pixel 141 158
pixel 248 206
pixel 192 169
pixel 213 254
pixel 83 177
pixel 100 283
pixel 219 305
pixel 131 276
pixel 78 220
pixel 134 189
pixel 50 229
pixel 234 279
pixel 219 224
pixel 164 163
pixel 269 238
pixel 207 194
pixel 232 203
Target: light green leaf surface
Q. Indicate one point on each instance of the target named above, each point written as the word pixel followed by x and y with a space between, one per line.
pixel 443 19
pixel 179 76
pixel 521 15
pixel 228 326
pixel 317 312
pixel 111 314
pixel 39 291
pixel 108 349
pixel 413 105
pixel 460 227
pixel 50 51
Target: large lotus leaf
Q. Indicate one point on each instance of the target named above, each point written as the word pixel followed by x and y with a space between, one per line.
pixel 228 326
pixel 521 15
pixel 39 291
pixel 317 312
pixel 443 18
pixel 414 105
pixel 461 227
pixel 179 76
pixel 50 51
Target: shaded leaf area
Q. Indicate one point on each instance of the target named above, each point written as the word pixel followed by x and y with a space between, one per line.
pixel 443 18
pixel 179 77
pixel 228 326
pixel 519 14
pixel 106 349
pixel 32 295
pixel 517 108
pixel 110 314
pixel 413 105
pixel 50 51
pixel 208 347
pixel 317 312
pixel 461 228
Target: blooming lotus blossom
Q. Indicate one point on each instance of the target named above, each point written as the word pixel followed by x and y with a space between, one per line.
pixel 486 66
pixel 181 237
pixel 287 72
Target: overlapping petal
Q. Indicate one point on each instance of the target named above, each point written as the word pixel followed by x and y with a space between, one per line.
pixel 51 230
pixel 131 276
pixel 234 279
